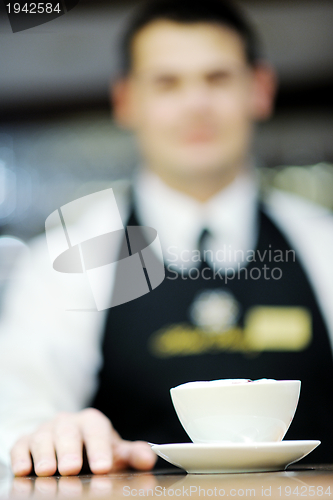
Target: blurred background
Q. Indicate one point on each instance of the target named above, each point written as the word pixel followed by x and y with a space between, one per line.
pixel 57 138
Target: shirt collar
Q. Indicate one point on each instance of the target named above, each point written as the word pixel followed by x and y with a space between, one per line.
pixel 230 215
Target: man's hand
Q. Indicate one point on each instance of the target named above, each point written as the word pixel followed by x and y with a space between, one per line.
pixel 58 444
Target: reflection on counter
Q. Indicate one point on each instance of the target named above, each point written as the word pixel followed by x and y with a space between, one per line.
pixel 306 482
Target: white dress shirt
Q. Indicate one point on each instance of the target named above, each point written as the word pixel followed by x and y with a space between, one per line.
pixel 229 216
pixel 50 357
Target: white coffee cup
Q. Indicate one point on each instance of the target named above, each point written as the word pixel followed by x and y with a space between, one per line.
pixel 236 410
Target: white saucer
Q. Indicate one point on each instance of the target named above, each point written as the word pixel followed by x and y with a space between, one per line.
pixel 217 458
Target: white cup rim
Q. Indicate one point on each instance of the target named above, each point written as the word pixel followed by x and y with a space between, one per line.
pixel 204 384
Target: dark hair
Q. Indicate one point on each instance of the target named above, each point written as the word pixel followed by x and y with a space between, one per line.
pixel 186 12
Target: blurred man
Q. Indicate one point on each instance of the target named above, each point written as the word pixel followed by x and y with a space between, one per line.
pixel 248 281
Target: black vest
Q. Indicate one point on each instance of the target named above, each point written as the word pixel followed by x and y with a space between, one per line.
pixel 151 344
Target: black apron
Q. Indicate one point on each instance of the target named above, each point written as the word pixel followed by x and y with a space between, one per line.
pixel 136 377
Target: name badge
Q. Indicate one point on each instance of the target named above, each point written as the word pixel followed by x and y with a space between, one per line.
pixel 278 328
pixel 266 328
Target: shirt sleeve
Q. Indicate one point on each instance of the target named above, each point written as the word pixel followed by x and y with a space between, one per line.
pixel 49 346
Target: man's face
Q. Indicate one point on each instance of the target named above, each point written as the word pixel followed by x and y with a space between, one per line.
pixel 191 98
